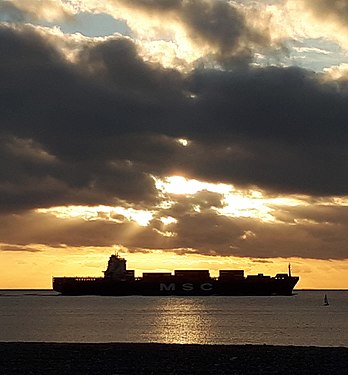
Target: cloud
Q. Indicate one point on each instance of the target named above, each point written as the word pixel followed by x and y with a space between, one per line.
pixel 11 13
pixel 219 32
pixel 336 10
pixel 338 72
pixel 315 232
pixel 96 129
pixel 29 10
pixel 18 248
pixel 325 19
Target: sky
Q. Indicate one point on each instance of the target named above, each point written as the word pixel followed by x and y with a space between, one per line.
pixel 197 134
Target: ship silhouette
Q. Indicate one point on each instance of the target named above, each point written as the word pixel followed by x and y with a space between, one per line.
pixel 118 281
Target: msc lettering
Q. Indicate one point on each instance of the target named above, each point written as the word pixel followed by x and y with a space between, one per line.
pixel 186 287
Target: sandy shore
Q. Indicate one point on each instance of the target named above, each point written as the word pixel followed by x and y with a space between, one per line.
pixel 55 358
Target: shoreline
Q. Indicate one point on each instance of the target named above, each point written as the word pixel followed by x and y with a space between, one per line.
pixel 155 358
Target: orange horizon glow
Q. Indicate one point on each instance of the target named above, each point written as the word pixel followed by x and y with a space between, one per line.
pixel 35 270
pixel 33 266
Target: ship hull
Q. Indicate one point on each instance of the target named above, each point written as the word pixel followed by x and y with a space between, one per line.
pixel 105 287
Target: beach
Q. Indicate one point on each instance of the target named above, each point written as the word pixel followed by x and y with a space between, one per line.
pixel 153 358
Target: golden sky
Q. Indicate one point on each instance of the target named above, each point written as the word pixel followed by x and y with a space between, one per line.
pixel 33 271
pixel 33 265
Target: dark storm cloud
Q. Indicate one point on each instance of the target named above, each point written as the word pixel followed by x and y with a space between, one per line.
pixel 64 123
pixel 117 62
pixel 30 178
pixel 276 128
pixel 92 132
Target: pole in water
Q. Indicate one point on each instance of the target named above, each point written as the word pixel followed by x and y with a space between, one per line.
pixel 326 301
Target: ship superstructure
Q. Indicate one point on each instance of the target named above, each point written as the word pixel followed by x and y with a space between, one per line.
pixel 118 281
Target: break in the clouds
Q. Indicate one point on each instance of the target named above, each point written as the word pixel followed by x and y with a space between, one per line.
pixel 98 122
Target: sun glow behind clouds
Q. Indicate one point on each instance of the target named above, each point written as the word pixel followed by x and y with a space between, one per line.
pixel 168 220
pixel 184 142
pixel 105 213
pixel 235 202
pixel 182 185
pixel 255 204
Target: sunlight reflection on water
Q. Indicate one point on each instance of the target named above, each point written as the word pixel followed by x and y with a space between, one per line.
pixel 297 320
pixel 183 320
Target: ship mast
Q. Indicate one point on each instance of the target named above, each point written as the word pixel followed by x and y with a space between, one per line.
pixel 289 267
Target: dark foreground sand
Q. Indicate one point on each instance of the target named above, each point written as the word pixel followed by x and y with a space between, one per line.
pixel 54 358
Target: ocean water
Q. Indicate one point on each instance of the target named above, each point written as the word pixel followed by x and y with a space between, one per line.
pixel 297 320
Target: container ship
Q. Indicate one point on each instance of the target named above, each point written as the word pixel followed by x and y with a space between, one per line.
pixel 118 281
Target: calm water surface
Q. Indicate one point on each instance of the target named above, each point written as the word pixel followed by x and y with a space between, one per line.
pixel 298 320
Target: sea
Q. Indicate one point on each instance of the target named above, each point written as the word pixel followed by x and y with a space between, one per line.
pixel 300 320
